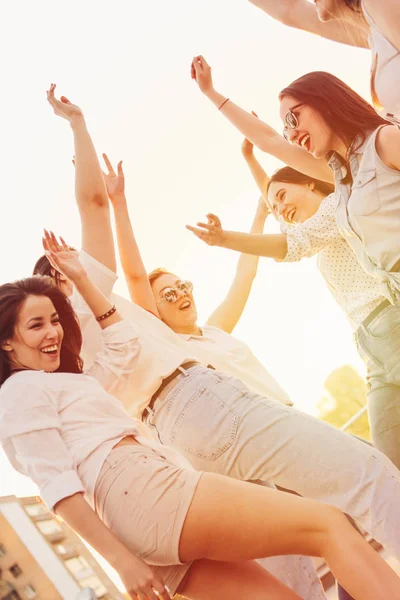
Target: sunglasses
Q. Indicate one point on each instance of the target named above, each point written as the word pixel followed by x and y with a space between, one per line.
pixel 170 294
pixel 291 121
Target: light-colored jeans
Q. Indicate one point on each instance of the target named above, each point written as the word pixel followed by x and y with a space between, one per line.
pixel 222 427
pixel 378 342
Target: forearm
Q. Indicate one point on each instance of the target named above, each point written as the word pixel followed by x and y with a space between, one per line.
pixel 95 299
pixel 277 10
pixel 76 512
pixel 131 259
pixel 268 140
pixel 259 175
pixel 248 263
pixel 270 245
pixel 89 183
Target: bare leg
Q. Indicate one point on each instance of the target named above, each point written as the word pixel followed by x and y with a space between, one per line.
pixel 230 520
pixel 211 580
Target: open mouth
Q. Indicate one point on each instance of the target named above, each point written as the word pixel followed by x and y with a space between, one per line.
pixel 304 142
pixel 50 350
pixel 288 215
pixel 186 305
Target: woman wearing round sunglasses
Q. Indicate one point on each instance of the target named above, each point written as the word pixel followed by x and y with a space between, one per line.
pixel 331 128
pixel 362 23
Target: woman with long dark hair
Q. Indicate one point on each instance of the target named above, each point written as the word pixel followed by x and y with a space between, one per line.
pixel 362 23
pixel 133 500
pixel 330 127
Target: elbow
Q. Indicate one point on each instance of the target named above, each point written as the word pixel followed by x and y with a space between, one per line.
pixel 99 200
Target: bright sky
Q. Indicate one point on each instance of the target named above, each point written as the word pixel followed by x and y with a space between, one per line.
pixel 127 64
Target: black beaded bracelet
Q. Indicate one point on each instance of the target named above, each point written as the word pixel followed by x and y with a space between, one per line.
pixel 107 314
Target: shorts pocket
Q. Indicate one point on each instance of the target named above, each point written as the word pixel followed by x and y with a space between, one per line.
pixel 206 427
pixel 131 524
pixel 380 340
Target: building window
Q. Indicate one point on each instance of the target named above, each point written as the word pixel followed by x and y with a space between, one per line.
pixel 29 592
pixel 3 550
pixel 79 567
pixel 15 570
pixel 49 526
pixel 95 584
pixel 36 510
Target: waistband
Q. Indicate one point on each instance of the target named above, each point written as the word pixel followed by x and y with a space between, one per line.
pixel 184 367
pixel 375 312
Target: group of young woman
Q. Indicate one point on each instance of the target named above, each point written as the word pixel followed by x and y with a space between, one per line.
pixel 151 453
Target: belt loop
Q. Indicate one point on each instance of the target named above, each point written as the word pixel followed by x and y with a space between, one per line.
pixel 149 411
pixel 184 372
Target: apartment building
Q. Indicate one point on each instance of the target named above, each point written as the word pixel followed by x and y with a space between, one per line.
pixel 41 558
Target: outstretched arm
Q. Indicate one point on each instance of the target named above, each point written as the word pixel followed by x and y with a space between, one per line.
pixel 259 133
pixel 301 14
pixel 90 189
pixel 132 263
pixel 258 244
pixel 228 313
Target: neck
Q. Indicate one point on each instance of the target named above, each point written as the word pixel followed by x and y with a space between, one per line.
pixel 189 329
pixel 353 17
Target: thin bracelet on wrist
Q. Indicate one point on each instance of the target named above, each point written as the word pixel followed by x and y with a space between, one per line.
pixel 107 314
pixel 223 104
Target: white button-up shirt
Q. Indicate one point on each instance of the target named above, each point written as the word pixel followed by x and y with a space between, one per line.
pixel 58 428
pixel 233 357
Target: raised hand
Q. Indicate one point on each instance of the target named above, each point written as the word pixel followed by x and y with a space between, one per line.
pixel 140 581
pixel 62 258
pixel 247 146
pixel 211 232
pixel 201 73
pixel 263 210
pixel 63 107
pixel 115 182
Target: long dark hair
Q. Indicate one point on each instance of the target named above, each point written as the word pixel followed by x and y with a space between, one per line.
pixel 12 297
pixel 341 107
pixel 289 175
pixel 353 4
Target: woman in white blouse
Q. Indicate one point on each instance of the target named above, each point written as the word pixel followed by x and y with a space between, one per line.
pixel 127 496
pixel 362 23
pixel 327 122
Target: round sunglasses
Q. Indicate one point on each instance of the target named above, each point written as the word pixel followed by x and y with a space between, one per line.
pixel 170 294
pixel 291 121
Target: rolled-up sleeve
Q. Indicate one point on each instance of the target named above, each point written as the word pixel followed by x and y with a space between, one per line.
pixel 44 457
pixel 30 436
pixel 307 239
pixel 114 363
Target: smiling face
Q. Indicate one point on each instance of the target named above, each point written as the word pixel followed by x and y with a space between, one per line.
pixel 181 315
pixel 294 202
pixel 37 337
pixel 312 133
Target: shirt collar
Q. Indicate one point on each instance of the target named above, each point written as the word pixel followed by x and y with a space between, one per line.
pixel 338 164
pixel 187 336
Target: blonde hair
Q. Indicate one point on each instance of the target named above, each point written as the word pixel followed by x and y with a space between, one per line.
pixel 156 273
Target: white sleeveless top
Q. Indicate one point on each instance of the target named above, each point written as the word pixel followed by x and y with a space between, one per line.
pixel 385 81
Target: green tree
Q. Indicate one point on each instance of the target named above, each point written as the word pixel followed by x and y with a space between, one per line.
pixel 346 394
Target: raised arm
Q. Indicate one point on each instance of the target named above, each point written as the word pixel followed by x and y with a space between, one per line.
pixel 132 263
pixel 259 175
pixel 228 313
pixel 66 262
pixel 90 189
pixel 259 133
pixel 272 245
pixel 301 14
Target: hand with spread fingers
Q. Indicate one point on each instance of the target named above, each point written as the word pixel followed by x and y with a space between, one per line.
pixel 115 182
pixel 63 107
pixel 62 258
pixel 140 581
pixel 211 232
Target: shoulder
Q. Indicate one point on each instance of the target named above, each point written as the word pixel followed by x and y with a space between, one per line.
pixel 387 144
pixel 26 388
